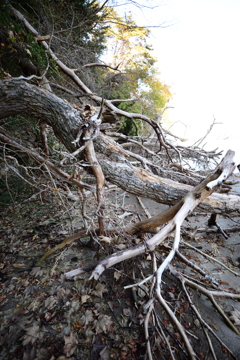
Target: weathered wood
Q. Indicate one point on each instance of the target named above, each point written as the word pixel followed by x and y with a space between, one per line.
pixel 186 206
pixel 19 97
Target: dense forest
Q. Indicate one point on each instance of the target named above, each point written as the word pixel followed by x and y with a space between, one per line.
pixel 103 210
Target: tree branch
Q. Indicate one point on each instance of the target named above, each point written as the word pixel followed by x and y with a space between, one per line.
pixel 71 73
pixel 186 206
pixel 20 97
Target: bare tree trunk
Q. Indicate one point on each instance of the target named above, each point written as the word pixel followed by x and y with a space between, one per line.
pixel 19 97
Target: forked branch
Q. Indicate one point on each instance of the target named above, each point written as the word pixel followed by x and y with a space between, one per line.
pixel 108 103
pixel 176 217
pixel 184 208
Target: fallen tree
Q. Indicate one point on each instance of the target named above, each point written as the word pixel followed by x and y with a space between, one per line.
pixel 19 97
pixel 175 216
pixel 178 214
pixel 152 168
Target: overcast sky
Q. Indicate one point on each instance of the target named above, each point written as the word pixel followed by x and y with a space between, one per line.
pixel 199 57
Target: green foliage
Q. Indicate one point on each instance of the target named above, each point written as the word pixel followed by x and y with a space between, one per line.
pixel 20 54
pixel 128 49
pixel 78 21
pixel 128 127
pixel 80 30
pixel 71 23
pixel 15 123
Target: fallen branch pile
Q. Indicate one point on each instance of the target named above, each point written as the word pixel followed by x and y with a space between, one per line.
pixel 176 215
pixel 138 168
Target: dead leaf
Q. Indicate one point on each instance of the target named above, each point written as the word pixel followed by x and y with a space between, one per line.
pixel 35 304
pixel 235 316
pixel 142 290
pixel 25 282
pixel 84 298
pixel 87 317
pixel 37 271
pixel 197 323
pixel 61 293
pixel 171 295
pixel 48 316
pixel 31 335
pixel 23 321
pixel 105 354
pixel 75 305
pixel 50 302
pixel 71 342
pixel 120 246
pixel 105 239
pixel 31 289
pixel 127 312
pixel 19 266
pixel 103 323
pixel 117 275
pixel 99 290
